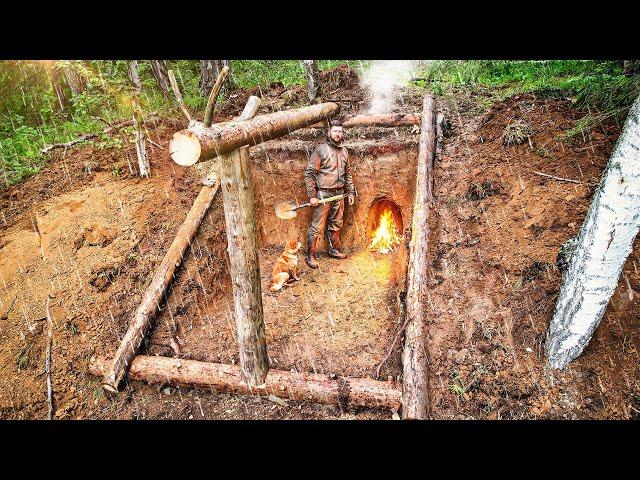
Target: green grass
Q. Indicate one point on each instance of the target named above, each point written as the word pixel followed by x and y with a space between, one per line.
pixel 596 84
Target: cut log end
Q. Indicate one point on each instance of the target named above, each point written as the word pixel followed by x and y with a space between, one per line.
pixel 185 148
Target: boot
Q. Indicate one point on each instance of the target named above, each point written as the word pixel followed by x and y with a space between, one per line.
pixel 334 245
pixel 310 258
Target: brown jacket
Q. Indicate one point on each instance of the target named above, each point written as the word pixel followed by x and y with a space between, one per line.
pixel 328 168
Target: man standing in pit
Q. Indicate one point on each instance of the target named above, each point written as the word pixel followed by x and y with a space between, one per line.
pixel 328 174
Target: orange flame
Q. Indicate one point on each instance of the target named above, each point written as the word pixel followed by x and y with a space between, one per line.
pixel 386 236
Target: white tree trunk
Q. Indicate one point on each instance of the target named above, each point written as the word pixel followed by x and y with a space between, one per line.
pixel 603 244
pixel 313 78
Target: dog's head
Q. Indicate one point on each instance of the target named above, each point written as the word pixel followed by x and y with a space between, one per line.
pixel 292 247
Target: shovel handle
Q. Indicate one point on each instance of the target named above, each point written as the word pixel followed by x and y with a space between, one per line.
pixel 323 200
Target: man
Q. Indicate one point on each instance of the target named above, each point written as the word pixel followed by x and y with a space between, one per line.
pixel 328 174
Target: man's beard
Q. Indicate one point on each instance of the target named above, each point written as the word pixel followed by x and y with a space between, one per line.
pixel 334 143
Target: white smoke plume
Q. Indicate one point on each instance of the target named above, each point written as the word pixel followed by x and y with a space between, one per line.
pixel 381 80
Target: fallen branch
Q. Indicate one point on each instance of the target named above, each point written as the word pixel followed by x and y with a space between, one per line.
pixel 557 178
pixel 393 344
pixel 48 361
pixel 213 96
pixel 151 118
pixel 224 378
pixel 176 92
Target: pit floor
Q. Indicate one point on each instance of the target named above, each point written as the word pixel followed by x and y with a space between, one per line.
pixel 339 319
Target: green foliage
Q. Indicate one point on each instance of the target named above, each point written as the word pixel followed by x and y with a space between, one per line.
pixel 593 84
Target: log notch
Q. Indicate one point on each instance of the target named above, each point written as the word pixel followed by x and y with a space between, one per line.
pixel 172 259
pixel 415 398
pixel 602 246
pixel 228 379
pixel 199 143
pixel 242 247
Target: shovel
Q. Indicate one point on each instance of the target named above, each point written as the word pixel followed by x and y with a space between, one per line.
pixel 288 210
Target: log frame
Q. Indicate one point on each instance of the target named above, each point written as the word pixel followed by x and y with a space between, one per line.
pixel 415 397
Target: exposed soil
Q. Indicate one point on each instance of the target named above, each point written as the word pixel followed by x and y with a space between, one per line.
pixel 498 229
pixel 89 232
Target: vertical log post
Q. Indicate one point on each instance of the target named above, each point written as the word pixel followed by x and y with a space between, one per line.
pixel 415 398
pixel 242 247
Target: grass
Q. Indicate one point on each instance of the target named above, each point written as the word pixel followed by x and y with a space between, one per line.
pixel 597 84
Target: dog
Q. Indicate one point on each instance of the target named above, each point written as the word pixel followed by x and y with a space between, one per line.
pixel 286 268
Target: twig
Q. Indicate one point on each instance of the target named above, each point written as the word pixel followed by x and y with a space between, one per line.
pixel 155 144
pixel 557 178
pixel 393 345
pixel 213 96
pixel 176 92
pixel 48 361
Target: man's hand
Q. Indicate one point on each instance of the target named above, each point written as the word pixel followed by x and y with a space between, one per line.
pixel 352 199
pixel 313 201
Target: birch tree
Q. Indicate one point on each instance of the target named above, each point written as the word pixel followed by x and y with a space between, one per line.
pixel 160 69
pixel 601 248
pixel 313 78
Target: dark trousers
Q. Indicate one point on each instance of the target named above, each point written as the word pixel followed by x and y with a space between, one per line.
pixel 333 211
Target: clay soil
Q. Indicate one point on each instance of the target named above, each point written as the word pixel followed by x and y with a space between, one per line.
pixel 89 233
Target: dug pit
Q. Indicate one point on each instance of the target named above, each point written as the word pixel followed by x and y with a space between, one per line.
pixel 339 319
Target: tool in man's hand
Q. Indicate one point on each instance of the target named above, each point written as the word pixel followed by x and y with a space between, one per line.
pixel 288 210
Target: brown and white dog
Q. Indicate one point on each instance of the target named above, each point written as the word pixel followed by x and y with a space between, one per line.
pixel 286 267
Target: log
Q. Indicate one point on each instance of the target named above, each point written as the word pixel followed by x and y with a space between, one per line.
pixel 601 249
pixel 377 120
pixel 415 363
pixel 213 96
pixel 242 247
pixel 199 143
pixel 223 378
pixel 153 295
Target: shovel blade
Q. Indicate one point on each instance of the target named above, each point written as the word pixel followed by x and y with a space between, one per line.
pixel 286 210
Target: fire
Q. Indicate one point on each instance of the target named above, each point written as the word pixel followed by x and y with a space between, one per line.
pixel 386 236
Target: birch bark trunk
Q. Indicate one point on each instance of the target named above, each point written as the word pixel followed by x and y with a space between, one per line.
pixel 603 244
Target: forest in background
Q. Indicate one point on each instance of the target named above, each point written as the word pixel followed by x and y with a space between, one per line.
pixel 46 102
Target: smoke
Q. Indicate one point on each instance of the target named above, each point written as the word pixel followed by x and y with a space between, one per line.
pixel 381 80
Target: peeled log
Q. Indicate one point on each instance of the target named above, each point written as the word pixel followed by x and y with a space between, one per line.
pixel 228 379
pixel 153 295
pixel 378 120
pixel 199 143
pixel 415 362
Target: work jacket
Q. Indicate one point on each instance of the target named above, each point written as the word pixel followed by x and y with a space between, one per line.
pixel 328 168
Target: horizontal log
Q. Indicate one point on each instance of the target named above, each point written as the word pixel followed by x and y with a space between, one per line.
pixel 377 120
pixel 224 378
pixel 199 143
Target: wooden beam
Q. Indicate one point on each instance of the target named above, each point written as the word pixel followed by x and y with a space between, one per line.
pixel 223 378
pixel 199 143
pixel 242 247
pixel 152 298
pixel 415 398
pixel 377 120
